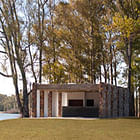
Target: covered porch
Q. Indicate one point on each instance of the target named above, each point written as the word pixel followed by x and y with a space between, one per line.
pixel 67 100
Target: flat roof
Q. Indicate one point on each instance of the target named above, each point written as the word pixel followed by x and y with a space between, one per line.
pixel 69 87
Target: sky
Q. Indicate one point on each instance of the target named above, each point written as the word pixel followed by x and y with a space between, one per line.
pixel 6 86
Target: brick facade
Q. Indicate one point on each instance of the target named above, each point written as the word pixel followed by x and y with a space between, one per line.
pixel 34 100
pixel 42 103
pixel 60 104
pixel 50 104
pixel 112 101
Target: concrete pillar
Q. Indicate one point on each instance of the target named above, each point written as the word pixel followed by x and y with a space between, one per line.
pixel 34 99
pixel 55 104
pixel 50 104
pixel 42 103
pixel 38 103
pixel 60 104
pixel 64 99
pixel 46 104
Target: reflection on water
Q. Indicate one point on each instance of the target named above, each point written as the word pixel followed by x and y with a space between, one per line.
pixel 6 116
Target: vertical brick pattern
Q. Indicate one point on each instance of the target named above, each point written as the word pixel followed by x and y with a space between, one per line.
pixel 60 104
pixel 34 100
pixel 50 104
pixel 109 101
pixel 126 107
pixel 100 100
pixel 112 96
pixel 118 102
pixel 123 101
pixel 106 101
pixel 103 101
pixel 42 103
pixel 115 101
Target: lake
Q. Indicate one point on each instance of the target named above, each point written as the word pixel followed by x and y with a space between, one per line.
pixel 6 116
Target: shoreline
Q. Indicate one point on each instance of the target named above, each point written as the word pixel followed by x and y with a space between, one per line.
pixel 8 112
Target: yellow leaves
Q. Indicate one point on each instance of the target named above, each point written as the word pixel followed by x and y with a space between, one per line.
pixel 124 24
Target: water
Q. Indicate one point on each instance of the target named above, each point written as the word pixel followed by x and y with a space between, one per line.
pixel 6 116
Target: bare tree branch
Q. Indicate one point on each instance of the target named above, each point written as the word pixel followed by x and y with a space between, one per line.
pixel 29 92
pixel 3 52
pixel 9 76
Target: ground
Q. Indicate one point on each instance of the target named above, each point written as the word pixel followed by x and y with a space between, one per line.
pixel 59 129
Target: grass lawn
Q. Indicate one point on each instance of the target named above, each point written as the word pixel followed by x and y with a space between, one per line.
pixel 55 129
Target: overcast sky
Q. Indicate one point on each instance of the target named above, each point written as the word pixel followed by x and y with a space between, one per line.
pixel 6 86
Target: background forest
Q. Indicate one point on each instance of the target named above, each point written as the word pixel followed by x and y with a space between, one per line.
pixel 8 103
pixel 74 41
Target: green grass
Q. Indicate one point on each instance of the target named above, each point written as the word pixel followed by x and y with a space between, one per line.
pixel 55 129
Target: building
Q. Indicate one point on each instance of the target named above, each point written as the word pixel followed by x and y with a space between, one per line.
pixel 79 100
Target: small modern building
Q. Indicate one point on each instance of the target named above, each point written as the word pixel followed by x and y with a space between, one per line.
pixel 79 100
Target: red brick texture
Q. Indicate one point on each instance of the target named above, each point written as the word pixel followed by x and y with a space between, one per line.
pixel 34 98
pixel 113 101
pixel 60 104
pixel 42 103
pixel 50 104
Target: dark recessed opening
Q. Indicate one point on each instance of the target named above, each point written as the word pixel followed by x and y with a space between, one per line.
pixel 75 102
pixel 90 102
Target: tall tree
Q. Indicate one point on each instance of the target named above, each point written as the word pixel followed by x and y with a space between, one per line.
pixel 127 24
pixel 11 41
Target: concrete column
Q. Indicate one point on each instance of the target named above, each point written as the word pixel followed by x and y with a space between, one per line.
pixel 42 103
pixel 38 103
pixel 50 104
pixel 60 104
pixel 55 104
pixel 64 99
pixel 46 104
pixel 34 99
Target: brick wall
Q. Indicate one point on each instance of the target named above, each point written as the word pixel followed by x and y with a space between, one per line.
pixel 42 103
pixel 60 104
pixel 114 101
pixel 50 104
pixel 34 100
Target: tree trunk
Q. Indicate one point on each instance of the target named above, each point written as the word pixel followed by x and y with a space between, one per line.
pixel 139 100
pixel 18 97
pixel 131 95
pixel 100 75
pixel 25 97
pixel 136 110
pixel 111 65
pixel 115 66
pixel 105 71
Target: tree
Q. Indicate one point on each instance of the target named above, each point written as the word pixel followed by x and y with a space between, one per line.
pixel 127 24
